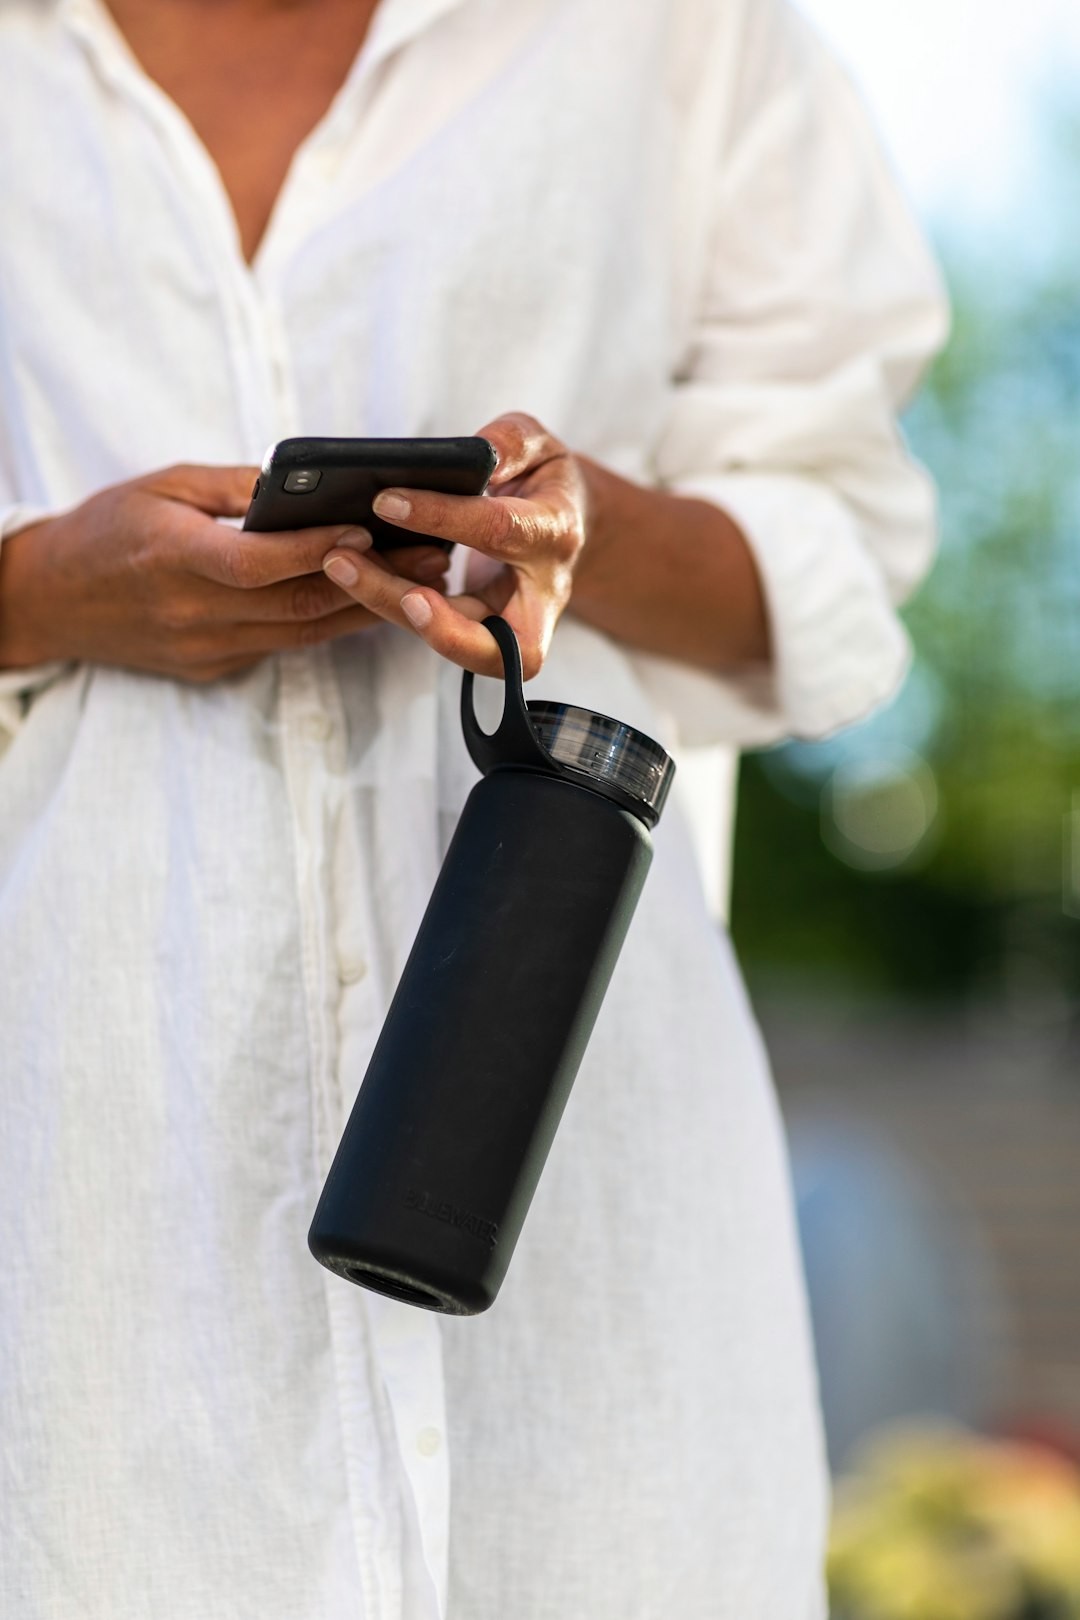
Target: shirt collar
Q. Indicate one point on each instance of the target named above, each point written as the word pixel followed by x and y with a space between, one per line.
pixel 395 21
pixel 394 24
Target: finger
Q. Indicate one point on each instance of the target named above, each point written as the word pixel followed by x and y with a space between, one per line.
pixel 507 527
pixel 218 491
pixel 250 641
pixel 250 644
pixel 347 621
pixel 220 670
pixel 450 628
pixel 370 583
pixel 248 560
pixel 453 628
pixel 520 442
pixel 426 565
pixel 291 601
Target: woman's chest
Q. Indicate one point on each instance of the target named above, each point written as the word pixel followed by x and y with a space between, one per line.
pixel 490 223
pixel 251 84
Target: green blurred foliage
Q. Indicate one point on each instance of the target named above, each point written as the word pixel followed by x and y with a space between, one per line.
pixel 981 906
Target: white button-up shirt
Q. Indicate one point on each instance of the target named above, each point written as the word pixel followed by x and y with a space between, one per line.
pixel 664 230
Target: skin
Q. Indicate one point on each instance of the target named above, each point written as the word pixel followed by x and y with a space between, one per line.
pixel 238 66
pixel 143 576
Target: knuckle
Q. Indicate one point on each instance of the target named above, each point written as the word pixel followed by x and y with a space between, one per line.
pixel 108 505
pixel 568 533
pixel 174 480
pixel 202 665
pixel 498 529
pixel 311 597
pixel 515 438
pixel 176 615
pixel 569 542
pixel 566 509
pixel 240 565
pixel 346 623
pixel 197 651
pixel 532 658
pixel 520 427
pixel 311 632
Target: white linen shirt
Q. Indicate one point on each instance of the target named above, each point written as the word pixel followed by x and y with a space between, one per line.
pixel 664 230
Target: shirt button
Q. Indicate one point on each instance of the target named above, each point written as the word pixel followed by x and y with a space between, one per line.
pixel 428 1441
pixel 318 727
pixel 351 967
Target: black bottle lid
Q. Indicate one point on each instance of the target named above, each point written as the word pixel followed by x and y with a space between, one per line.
pixel 560 740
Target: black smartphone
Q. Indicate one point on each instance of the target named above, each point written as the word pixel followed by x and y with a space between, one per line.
pixel 306 483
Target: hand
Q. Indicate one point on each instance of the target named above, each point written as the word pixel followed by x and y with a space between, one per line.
pixel 142 576
pixel 526 536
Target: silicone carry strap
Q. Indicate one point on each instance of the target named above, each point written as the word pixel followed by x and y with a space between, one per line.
pixel 514 740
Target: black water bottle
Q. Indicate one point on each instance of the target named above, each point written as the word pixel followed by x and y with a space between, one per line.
pixel 439 1161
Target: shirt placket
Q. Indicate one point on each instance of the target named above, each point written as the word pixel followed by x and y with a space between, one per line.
pixel 404 1343
pixel 345 997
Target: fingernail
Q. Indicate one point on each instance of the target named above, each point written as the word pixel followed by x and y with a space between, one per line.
pixel 432 567
pixel 391 506
pixel 355 539
pixel 417 609
pixel 341 571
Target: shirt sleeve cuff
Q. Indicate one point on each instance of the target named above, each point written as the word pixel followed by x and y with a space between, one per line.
pixel 18 686
pixel 839 648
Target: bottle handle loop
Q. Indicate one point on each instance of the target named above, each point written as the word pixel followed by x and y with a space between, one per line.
pixel 514 740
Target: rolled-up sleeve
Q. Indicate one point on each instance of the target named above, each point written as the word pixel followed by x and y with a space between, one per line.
pixel 816 307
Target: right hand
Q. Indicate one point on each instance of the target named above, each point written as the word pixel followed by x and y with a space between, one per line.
pixel 143 577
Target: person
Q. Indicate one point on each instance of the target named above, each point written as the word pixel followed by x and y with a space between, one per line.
pixel 655 256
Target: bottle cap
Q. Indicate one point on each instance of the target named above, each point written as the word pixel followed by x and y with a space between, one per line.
pixel 563 741
pixel 606 752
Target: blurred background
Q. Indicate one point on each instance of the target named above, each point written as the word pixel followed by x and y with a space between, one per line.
pixel 906 899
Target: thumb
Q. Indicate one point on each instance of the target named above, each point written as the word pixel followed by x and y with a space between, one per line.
pixel 218 491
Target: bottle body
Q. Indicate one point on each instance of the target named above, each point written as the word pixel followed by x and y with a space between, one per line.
pixel 452 1125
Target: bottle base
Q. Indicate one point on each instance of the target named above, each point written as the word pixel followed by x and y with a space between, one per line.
pixel 385 1274
pixel 397 1288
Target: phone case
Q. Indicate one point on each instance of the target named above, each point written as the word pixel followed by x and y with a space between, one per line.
pixel 308 483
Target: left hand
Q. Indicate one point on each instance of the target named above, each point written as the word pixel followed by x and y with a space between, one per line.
pixel 527 533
